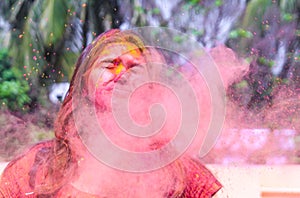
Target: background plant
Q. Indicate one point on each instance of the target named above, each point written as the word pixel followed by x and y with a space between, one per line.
pixel 13 89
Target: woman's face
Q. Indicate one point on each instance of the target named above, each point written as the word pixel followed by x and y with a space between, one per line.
pixel 114 60
pixel 114 76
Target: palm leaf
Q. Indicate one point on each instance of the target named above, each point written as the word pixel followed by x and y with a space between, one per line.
pixel 53 20
pixel 254 13
pixel 67 61
pixel 289 5
pixel 15 9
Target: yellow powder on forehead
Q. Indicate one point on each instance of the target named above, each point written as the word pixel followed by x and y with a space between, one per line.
pixel 123 46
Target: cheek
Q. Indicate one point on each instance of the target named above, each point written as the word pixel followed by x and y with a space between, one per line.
pixel 103 91
pixel 106 77
pixel 98 81
pixel 103 100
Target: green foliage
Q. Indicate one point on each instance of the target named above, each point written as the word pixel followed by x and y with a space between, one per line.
pixel 242 84
pixel 196 4
pixel 140 9
pixel 218 3
pixel 193 2
pixel 266 62
pixel 197 33
pixel 155 11
pixel 287 17
pixel 178 39
pixel 47 37
pixel 13 91
pixel 53 29
pixel 254 13
pixel 240 33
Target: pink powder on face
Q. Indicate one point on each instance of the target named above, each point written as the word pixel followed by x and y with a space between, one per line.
pixel 140 104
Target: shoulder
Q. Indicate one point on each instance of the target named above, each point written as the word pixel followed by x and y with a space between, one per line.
pixel 200 181
pixel 25 161
pixel 16 178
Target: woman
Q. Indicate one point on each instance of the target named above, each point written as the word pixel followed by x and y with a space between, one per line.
pixel 66 167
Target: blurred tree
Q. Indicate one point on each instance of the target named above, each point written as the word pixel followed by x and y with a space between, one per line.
pixel 46 37
pixel 208 21
pixel 272 49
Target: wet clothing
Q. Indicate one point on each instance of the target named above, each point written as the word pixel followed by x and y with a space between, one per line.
pixel 23 175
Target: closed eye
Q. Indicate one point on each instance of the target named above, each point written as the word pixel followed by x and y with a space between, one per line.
pixel 111 63
pixel 109 66
pixel 108 63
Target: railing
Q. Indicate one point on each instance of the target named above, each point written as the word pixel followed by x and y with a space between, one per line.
pixel 271 192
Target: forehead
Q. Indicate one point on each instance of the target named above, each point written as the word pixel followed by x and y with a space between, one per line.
pixel 114 50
